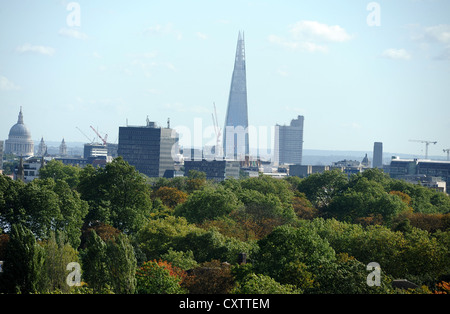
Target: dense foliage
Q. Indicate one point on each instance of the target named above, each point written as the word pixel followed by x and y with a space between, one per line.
pixel 133 234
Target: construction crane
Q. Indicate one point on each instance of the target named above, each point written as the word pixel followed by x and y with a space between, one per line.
pixel 98 134
pixel 427 143
pixel 90 141
pixel 448 153
pixel 217 130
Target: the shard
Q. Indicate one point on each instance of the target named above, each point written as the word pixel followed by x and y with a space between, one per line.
pixel 235 140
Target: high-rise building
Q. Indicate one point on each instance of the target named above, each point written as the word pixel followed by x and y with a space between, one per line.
pixel 288 142
pixel 235 136
pixel 377 161
pixel 150 149
pixel 19 140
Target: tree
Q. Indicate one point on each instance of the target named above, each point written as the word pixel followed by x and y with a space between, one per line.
pixel 169 196
pixel 157 236
pixel 11 209
pixel 321 188
pixel 159 277
pixel 95 272
pixel 121 264
pixel 43 206
pixel 56 170
pixel 58 254
pixel 286 246
pixel 263 284
pixel 211 277
pixel 366 199
pixel 24 260
pixel 109 265
pixel 207 204
pixel 117 195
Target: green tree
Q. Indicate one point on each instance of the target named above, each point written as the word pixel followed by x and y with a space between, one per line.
pixel 321 188
pixel 207 204
pixel 286 246
pixel 109 265
pixel 11 209
pixel 58 254
pixel 95 271
pixel 157 236
pixel 155 277
pixel 121 264
pixel 263 284
pixel 23 265
pixel 117 195
pixel 56 170
pixel 366 198
pixel 43 206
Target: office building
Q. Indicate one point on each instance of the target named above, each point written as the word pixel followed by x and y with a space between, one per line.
pixel 94 150
pixel 377 161
pixel 217 170
pixel 428 170
pixel 150 149
pixel 235 136
pixel 28 170
pixel 19 140
pixel 288 146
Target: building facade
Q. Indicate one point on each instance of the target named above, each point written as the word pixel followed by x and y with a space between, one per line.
pixel 235 136
pixel 288 145
pixel 428 170
pixel 217 170
pixel 150 149
pixel 19 140
pixel 377 160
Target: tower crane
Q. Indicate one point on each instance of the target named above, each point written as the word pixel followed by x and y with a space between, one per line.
pixel 448 153
pixel 90 141
pixel 218 132
pixel 427 143
pixel 98 134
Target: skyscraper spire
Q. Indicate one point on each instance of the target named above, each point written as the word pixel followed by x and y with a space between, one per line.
pixel 235 142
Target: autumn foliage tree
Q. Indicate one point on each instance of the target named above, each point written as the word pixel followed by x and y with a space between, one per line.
pixel 159 277
pixel 170 196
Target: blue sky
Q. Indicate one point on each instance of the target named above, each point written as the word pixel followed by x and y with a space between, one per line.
pixel 356 79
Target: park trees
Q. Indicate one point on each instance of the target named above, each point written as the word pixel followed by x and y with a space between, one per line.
pixel 117 195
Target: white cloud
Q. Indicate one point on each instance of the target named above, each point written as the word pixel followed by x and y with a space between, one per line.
pixel 7 85
pixel 202 36
pixel 312 31
pixel 163 30
pixel 396 54
pixel 48 51
pixel 72 33
pixel 436 36
pixel 311 36
pixel 439 33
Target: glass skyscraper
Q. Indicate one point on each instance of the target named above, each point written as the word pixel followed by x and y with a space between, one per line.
pixel 235 137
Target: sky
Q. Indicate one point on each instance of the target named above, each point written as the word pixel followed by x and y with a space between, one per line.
pixel 359 71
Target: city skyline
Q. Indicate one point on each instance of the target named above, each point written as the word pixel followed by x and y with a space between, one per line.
pixel 359 74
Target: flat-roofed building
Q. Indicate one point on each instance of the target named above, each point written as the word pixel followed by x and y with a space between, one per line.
pixel 150 149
